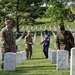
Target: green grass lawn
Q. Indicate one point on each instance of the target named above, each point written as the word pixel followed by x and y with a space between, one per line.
pixel 38 64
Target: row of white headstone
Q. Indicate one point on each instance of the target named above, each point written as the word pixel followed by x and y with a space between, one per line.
pixel 53 34
pixel 61 59
pixel 41 36
pixel 45 27
pixel 34 40
pixel 18 40
pixel 12 59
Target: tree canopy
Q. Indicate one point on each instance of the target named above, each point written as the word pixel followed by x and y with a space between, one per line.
pixel 58 11
pixel 21 11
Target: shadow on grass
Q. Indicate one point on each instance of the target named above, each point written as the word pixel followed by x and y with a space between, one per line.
pixel 38 23
pixel 37 58
pixel 27 69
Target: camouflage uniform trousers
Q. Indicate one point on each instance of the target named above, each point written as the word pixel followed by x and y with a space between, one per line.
pixel 29 52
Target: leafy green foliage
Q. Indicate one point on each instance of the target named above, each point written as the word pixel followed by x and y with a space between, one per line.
pixel 58 11
pixel 21 11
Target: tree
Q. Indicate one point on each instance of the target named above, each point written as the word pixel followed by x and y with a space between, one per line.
pixel 6 11
pixel 21 11
pixel 58 11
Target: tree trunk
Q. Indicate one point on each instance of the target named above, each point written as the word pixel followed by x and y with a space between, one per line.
pixel 17 24
pixel 17 18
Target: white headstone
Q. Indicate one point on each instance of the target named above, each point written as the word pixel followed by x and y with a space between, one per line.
pixel 9 61
pixel 24 55
pixel 18 48
pixel 0 56
pixel 55 45
pixel 49 54
pixel 31 28
pixel 36 27
pixel 55 28
pixel 45 28
pixel 50 27
pixel 54 34
pixel 34 39
pixel 17 40
pixel 62 59
pixel 72 66
pixel 50 39
pixel 27 28
pixel 19 57
pixel 41 36
pixel 53 56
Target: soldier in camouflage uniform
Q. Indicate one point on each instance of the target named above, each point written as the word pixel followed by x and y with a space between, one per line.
pixel 7 39
pixel 28 45
pixel 64 39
